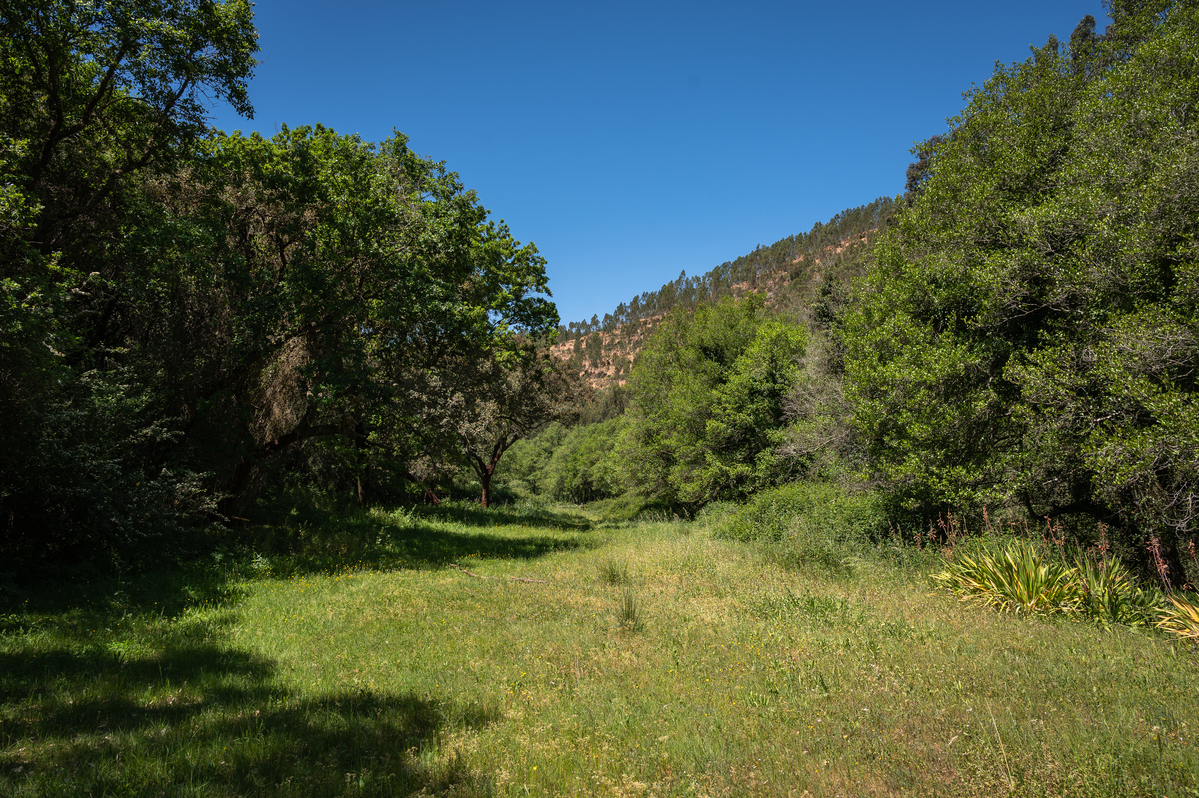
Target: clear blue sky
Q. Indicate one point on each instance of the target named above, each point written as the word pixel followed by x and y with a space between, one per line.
pixel 631 141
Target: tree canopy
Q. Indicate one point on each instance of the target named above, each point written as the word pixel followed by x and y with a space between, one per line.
pixel 1028 330
pixel 182 310
pixel 708 401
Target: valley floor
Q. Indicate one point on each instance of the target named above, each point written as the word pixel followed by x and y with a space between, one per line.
pixel 530 652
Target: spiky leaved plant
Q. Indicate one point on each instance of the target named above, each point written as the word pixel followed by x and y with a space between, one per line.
pixel 1181 619
pixel 1110 594
pixel 1013 577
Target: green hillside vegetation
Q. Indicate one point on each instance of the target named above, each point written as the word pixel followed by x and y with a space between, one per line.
pixel 809 258
pixel 809 273
pixel 305 491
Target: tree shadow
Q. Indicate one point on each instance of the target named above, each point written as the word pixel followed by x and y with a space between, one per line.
pixel 393 548
pixel 203 719
pixel 432 547
pixel 414 539
pixel 72 599
pixel 504 515
pixel 114 684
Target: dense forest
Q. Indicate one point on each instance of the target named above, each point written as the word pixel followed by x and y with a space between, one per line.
pixel 190 320
pixel 196 328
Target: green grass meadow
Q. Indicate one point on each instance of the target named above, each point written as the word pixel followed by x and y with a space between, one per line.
pixel 510 652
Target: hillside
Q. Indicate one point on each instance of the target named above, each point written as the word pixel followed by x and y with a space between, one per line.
pixel 805 273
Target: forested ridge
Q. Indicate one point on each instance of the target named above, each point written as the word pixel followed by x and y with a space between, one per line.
pixel 809 270
pixel 199 328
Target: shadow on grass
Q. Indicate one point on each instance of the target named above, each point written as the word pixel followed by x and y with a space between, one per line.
pixel 72 600
pixel 504 515
pixel 114 684
pixel 437 547
pixel 413 539
pixel 206 719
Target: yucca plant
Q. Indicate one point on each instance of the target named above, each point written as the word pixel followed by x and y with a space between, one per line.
pixel 1016 577
pixel 1110 595
pixel 1180 619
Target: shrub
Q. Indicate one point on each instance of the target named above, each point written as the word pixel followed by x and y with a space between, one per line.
pixel 1016 577
pixel 806 523
pixel 1180 619
pixel 807 510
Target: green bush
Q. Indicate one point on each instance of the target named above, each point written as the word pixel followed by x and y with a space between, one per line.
pixel 808 510
pixel 806 524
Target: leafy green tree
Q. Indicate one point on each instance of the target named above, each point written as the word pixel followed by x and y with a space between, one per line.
pixel 707 402
pixel 96 100
pixel 523 468
pixel 350 273
pixel 182 312
pixel 919 171
pixel 585 465
pixel 1028 331
pixel 490 402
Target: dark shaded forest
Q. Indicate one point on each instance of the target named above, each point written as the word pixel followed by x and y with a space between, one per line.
pixel 192 321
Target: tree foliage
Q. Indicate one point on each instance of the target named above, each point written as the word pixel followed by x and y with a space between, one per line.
pixel 182 311
pixel 95 99
pixel 708 402
pixel 1028 332
pixel 489 403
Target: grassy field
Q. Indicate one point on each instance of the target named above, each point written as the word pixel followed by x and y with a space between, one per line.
pixel 506 652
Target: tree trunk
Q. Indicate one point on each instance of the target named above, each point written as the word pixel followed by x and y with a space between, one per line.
pixel 430 495
pixel 485 481
pixel 232 503
pixel 363 468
